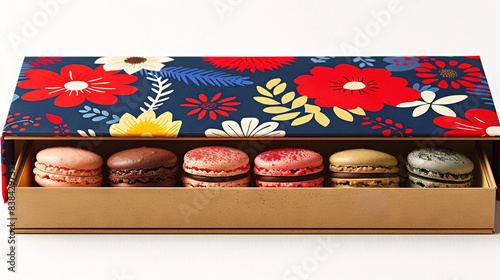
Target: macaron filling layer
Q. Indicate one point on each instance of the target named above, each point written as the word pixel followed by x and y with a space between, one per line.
pixel 216 173
pixel 352 175
pixel 138 172
pixel 424 182
pixel 280 179
pixel 215 179
pixel 438 180
pixel 363 169
pixel 144 180
pixel 288 172
pixel 66 171
pixel 143 175
pixel 439 175
pixel 194 183
pixel 71 179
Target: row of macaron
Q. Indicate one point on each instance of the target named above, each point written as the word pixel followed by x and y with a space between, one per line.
pixel 220 166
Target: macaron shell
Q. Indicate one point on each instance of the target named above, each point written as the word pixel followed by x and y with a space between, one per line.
pixel 438 175
pixel 216 161
pixel 66 171
pixel 193 183
pixel 142 157
pixel 288 162
pixel 168 182
pixel 440 160
pixel 419 182
pixel 76 180
pixel 69 157
pixel 48 183
pixel 315 183
pixel 391 182
pixel 363 161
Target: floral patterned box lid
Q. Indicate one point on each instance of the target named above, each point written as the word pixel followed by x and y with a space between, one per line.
pixel 414 96
pixel 252 96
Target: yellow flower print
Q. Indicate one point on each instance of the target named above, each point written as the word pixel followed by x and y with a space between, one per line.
pixel 146 125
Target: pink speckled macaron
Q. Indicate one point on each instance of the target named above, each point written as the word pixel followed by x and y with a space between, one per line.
pixel 216 166
pixel 289 167
pixel 68 167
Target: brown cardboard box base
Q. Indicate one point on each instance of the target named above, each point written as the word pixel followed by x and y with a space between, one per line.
pixel 257 210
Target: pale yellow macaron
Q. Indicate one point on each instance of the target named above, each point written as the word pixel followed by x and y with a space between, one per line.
pixel 363 168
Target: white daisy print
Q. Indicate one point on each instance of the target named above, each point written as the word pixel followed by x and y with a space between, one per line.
pixel 249 128
pixel 132 64
pixel 91 133
pixel 428 102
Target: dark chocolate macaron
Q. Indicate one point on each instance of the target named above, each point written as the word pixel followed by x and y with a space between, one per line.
pixel 143 167
pixel 439 167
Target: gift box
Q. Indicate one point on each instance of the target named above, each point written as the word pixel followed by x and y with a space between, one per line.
pixel 326 104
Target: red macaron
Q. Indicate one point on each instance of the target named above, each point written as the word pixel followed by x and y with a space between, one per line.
pixel 216 166
pixel 289 167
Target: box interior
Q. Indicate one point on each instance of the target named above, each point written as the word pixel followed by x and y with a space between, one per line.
pixel 326 147
pixel 258 210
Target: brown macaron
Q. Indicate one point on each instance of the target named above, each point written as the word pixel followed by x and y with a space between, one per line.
pixel 143 167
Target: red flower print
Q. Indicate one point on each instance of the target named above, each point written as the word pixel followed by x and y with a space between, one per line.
pixel 349 87
pixel 480 122
pixel 18 123
pixel 60 129
pixel 448 73
pixel 76 83
pixel 203 105
pixel 37 62
pixel 388 126
pixel 250 63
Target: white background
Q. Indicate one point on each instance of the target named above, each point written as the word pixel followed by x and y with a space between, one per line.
pixel 248 27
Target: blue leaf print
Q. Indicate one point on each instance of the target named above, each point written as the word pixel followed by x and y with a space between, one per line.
pixel 321 59
pixel 89 115
pixel 424 88
pixel 200 76
pixel 97 115
pixel 98 119
pixel 365 61
pixel 114 120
